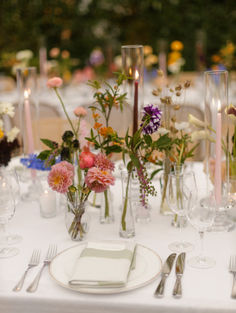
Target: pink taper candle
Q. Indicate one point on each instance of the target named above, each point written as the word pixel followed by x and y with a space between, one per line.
pixel 29 131
pixel 218 179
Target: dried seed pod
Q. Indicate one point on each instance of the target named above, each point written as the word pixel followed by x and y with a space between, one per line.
pixel 155 92
pixel 178 94
pixel 187 84
pixel 160 73
pixel 178 87
pixel 176 107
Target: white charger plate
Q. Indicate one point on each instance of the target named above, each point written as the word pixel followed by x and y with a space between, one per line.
pixel 148 267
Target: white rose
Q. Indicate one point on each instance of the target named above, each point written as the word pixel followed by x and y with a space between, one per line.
pixel 11 135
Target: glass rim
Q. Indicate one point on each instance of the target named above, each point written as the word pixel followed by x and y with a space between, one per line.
pixel 131 46
pixel 214 72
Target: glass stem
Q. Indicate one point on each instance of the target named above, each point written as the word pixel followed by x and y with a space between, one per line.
pixel 201 234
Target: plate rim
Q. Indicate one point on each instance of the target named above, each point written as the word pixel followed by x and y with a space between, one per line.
pixel 110 290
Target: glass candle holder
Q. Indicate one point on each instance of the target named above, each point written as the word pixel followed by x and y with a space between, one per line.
pixel 217 144
pixel 28 108
pixel 133 68
pixel 47 202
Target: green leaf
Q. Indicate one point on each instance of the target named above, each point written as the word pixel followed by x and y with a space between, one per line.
pixel 48 143
pixel 130 166
pixel 135 160
pixel 114 148
pixel 155 172
pixel 44 155
pixel 148 139
pixel 164 142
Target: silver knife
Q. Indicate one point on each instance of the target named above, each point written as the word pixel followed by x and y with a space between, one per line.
pixel 179 269
pixel 165 273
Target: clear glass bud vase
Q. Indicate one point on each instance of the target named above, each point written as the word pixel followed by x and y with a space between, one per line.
pixel 106 210
pixel 127 228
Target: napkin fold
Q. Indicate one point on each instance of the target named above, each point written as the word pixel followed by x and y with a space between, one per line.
pixel 104 264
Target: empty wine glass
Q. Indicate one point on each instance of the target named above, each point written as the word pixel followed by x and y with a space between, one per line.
pixel 201 215
pixel 178 199
pixel 7 210
pixel 9 178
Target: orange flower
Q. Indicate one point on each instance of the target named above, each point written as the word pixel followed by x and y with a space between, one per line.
pixel 176 45
pixel 96 116
pixel 97 125
pixel 105 131
pixel 215 58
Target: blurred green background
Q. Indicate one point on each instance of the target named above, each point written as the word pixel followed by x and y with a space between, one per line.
pixel 79 26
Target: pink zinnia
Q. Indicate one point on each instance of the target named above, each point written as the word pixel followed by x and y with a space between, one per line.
pixel 80 111
pixel 60 178
pixel 98 180
pixel 54 82
pixel 67 165
pixel 86 159
pixel 102 162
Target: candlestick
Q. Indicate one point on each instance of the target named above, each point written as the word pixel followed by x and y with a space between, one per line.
pixel 29 131
pixel 135 110
pixel 218 178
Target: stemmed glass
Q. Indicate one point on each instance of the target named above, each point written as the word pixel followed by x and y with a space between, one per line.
pixel 201 215
pixel 179 198
pixel 7 211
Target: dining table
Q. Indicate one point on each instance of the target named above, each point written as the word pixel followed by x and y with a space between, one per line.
pixel 204 290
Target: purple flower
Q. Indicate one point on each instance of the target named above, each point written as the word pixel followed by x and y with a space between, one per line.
pixel 153 116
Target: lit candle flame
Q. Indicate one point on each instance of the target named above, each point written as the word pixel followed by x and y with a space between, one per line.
pixel 219 106
pixel 130 71
pixel 136 74
pixel 45 192
pixel 27 93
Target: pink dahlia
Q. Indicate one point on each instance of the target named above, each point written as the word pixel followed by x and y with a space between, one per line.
pixel 60 178
pixel 67 165
pixel 86 159
pixel 80 111
pixel 54 82
pixel 98 180
pixel 102 162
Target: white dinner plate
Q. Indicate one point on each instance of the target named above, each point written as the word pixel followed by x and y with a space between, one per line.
pixel 147 268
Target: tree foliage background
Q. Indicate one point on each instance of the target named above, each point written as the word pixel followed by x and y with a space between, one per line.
pixel 81 25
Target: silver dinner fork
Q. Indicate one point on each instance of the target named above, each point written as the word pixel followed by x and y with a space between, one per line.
pixel 52 250
pixel 34 261
pixel 232 269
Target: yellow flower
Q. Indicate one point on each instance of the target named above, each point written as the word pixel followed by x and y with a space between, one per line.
pixel 147 50
pixel 1 134
pixel 176 45
pixel 173 57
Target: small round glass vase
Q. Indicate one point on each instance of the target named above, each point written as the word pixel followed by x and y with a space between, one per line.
pixel 77 220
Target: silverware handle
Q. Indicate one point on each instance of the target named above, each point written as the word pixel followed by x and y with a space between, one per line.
pixel 233 293
pixel 20 283
pixel 177 291
pixel 160 288
pixel 34 285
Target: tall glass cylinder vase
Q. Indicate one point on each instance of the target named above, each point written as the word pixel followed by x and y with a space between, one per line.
pixel 217 145
pixel 28 122
pixel 133 67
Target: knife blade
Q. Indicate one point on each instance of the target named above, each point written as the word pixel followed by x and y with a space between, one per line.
pixel 179 270
pixel 166 269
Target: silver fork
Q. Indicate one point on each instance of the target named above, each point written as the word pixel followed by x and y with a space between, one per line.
pixel 52 250
pixel 232 269
pixel 34 261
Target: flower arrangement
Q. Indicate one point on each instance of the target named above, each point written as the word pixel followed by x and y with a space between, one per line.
pixel 8 140
pixel 80 171
pixel 175 59
pixel 225 58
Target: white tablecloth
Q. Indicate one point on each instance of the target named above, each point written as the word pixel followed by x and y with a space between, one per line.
pixel 203 290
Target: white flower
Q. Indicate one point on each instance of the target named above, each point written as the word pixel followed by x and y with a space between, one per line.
pixel 182 125
pixel 7 108
pixel 162 131
pixel 200 135
pixel 195 121
pixel 24 54
pixel 11 135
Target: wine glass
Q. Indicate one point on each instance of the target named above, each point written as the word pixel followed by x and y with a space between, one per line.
pixel 179 198
pixel 7 210
pixel 201 215
pixel 9 178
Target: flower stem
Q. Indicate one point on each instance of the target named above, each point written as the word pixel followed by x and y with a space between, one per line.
pixel 123 221
pixel 106 203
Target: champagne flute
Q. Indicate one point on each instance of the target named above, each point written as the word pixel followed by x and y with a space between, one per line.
pixel 201 215
pixel 178 199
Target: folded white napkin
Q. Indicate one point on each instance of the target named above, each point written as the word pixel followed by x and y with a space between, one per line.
pixel 104 264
